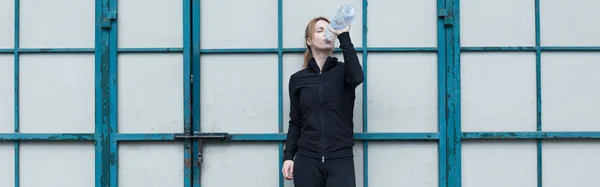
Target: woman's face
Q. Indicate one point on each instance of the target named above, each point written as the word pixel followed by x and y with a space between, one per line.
pixel 318 41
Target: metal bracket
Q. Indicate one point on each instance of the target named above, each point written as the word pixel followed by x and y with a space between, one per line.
pixel 108 19
pixel 448 19
pixel 200 139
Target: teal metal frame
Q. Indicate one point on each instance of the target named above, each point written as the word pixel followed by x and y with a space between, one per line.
pixel 106 137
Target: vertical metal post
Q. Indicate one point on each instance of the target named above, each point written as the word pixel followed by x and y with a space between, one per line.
pixel 113 71
pixel 187 98
pixel 16 91
pixel 196 100
pixel 453 96
pixel 442 59
pixel 365 98
pixel 280 86
pixel 102 85
pixel 538 86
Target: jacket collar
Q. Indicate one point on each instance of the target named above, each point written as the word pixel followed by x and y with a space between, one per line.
pixel 329 63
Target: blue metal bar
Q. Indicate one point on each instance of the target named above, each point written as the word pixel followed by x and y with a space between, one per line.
pixel 538 85
pixel 113 89
pixel 453 98
pixel 58 50
pixel 591 48
pixel 46 137
pixel 282 136
pixel 514 48
pixel 155 50
pixel 372 49
pixel 101 135
pixel 531 135
pixel 301 50
pixel 280 86
pixel 7 50
pixel 365 98
pixel 241 50
pixel 373 136
pixel 16 92
pixel 145 137
pixel 187 95
pixel 401 49
pixel 442 155
pixel 195 66
pixel 534 48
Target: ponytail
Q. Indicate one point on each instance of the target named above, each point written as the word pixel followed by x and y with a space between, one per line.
pixel 307 57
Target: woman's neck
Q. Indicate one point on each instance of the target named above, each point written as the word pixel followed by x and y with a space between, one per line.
pixel 320 58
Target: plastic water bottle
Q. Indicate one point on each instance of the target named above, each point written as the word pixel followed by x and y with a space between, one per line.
pixel 342 19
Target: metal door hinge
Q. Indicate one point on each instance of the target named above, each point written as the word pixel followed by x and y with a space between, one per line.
pixel 108 19
pixel 448 19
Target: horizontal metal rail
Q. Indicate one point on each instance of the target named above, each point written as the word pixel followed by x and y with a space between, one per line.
pixel 298 50
pixel 372 136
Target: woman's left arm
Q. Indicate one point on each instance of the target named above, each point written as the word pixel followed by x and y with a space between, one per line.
pixel 353 70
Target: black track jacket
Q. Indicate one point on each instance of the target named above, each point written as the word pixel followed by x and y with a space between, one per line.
pixel 322 106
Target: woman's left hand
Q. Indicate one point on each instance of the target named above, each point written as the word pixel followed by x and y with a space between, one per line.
pixel 338 32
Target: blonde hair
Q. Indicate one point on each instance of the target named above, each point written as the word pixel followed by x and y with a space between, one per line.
pixel 308 33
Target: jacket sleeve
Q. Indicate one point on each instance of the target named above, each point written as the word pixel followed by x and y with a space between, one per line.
pixel 353 70
pixel 294 124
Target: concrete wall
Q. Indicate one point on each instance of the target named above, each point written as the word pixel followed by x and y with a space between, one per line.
pixel 49 71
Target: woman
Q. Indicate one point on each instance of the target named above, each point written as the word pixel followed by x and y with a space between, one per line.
pixel 318 150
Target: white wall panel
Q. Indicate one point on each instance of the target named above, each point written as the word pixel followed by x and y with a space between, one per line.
pixel 570 163
pixel 239 93
pixel 297 14
pixel 498 91
pixel 497 23
pixel 402 92
pixel 499 163
pixel 240 164
pixel 570 91
pixel 157 23
pixel 7 93
pixel 151 164
pixel 57 93
pixel 412 164
pixel 57 164
pixel 402 23
pixel 359 164
pixel 569 23
pixel 57 24
pixel 7 161
pixel 7 23
pixel 238 24
pixel 292 63
pixel 151 93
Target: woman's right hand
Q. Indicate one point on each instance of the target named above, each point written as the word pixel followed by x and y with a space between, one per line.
pixel 288 169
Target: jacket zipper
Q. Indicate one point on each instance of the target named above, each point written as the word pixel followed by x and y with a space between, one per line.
pixel 322 126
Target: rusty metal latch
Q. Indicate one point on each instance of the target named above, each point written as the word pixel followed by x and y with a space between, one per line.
pixel 448 19
pixel 200 139
pixel 107 19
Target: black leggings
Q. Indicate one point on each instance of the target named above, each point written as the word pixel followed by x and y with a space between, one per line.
pixel 311 172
